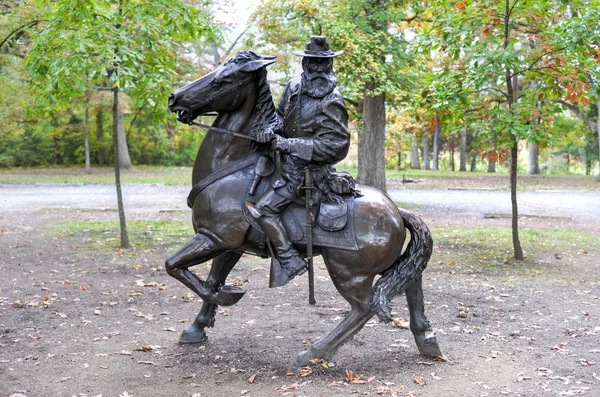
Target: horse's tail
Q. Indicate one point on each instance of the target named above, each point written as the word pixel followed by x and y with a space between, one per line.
pixel 406 268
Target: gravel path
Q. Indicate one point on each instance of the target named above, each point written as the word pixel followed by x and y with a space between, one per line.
pixel 581 206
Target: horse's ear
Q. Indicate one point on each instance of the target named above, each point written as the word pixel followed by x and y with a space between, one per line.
pixel 255 65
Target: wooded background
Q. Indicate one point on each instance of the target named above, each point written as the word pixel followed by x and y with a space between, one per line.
pixel 431 85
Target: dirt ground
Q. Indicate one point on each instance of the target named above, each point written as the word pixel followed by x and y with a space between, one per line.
pixel 75 322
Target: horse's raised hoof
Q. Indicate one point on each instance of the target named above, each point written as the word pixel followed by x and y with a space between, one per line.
pixel 229 295
pixel 428 344
pixel 192 334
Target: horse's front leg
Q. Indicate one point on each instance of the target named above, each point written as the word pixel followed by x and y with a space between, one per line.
pixel 221 266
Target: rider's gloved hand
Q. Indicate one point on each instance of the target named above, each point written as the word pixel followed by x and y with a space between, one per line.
pixel 280 143
pixel 266 135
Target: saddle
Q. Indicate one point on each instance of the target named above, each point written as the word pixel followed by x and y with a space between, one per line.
pixel 334 221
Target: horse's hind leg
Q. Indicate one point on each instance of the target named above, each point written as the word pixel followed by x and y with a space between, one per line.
pixel 419 325
pixel 221 266
pixel 358 291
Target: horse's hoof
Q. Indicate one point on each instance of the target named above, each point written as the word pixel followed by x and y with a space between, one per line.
pixel 304 358
pixel 428 344
pixel 192 334
pixel 229 295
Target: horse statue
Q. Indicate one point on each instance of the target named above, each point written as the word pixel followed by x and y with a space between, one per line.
pixel 239 93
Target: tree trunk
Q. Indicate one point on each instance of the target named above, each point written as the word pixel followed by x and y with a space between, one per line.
pixel 514 152
pixel 117 123
pixel 598 132
pixel 124 160
pixel 426 163
pixel 452 157
pixel 371 147
pixel 86 134
pixel 399 167
pixel 473 161
pixel 491 162
pixel 463 149
pixel 101 153
pixel 415 162
pixel 534 158
pixel 436 144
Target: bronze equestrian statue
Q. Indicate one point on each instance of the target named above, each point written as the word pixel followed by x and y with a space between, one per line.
pixel 311 128
pixel 247 197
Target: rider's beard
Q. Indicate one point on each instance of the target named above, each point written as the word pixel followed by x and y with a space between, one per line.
pixel 318 85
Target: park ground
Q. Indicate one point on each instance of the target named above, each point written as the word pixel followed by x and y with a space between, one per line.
pixel 79 317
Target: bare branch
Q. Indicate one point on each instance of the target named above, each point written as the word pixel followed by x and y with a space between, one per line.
pixel 575 109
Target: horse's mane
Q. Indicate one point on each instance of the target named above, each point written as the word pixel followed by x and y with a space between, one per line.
pixel 264 108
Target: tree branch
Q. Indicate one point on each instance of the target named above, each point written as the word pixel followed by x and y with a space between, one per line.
pixel 237 39
pixel 575 109
pixel 24 26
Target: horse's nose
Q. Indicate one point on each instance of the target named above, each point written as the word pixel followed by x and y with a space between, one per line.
pixel 171 101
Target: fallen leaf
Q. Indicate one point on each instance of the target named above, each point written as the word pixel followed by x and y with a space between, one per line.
pixel 147 362
pixel 289 373
pixel 401 323
pixel 144 349
pixel 419 380
pixel 252 378
pixel 304 372
pixel 356 379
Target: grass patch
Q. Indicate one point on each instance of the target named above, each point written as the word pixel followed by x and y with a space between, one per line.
pixel 143 234
pixel 99 175
pixel 487 248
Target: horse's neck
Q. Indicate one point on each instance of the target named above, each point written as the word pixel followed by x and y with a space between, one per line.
pixel 219 149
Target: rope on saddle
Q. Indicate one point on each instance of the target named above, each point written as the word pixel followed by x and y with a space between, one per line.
pixel 219 174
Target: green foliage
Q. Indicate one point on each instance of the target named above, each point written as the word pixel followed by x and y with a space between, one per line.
pixel 131 43
pixel 489 42
pixel 371 33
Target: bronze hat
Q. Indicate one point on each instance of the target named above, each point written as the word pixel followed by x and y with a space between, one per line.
pixel 317 47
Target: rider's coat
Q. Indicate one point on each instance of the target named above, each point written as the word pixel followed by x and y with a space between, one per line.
pixel 319 129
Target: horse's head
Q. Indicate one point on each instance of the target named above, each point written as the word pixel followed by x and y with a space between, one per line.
pixel 219 90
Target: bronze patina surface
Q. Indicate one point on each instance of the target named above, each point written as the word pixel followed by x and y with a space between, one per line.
pixel 307 131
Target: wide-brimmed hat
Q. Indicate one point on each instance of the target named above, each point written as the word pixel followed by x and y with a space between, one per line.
pixel 317 47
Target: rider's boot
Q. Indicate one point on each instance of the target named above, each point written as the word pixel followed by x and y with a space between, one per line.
pixel 286 253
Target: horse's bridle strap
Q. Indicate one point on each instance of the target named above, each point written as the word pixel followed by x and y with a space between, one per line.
pixel 234 87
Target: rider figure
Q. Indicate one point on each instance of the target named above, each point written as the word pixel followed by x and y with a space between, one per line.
pixel 311 130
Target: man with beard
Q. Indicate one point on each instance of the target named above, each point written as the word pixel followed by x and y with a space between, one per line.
pixel 311 130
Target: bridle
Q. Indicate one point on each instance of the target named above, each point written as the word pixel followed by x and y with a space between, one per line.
pixel 231 88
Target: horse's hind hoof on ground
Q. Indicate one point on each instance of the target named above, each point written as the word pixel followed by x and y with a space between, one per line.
pixel 304 357
pixel 428 344
pixel 192 334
